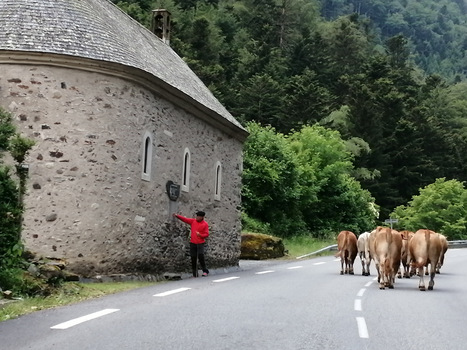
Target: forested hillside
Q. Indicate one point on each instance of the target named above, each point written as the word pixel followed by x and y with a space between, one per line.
pixel 389 76
pixel 437 30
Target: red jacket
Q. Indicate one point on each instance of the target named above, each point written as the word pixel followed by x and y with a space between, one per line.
pixel 201 227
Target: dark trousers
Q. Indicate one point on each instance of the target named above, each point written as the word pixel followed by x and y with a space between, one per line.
pixel 197 253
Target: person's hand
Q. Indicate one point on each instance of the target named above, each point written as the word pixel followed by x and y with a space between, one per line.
pixel 197 233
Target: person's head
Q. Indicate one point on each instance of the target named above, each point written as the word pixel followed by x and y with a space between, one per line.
pixel 200 215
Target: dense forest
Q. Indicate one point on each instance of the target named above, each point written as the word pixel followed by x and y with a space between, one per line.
pixel 388 76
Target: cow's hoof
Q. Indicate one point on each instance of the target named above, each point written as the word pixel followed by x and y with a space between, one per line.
pixel 422 288
pixel 430 287
pixel 391 287
pixel 342 273
pixel 350 273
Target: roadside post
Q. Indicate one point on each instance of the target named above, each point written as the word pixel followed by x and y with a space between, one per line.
pixel 391 221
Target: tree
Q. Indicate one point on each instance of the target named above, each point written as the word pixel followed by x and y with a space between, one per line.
pixel 11 206
pixel 270 190
pixel 440 206
pixel 331 200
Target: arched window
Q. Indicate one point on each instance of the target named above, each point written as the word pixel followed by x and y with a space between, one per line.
pixel 147 157
pixel 186 170
pixel 218 177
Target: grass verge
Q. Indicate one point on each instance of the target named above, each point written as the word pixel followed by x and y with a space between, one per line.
pixel 67 293
pixel 302 245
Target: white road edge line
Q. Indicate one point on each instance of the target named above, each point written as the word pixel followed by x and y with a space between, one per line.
pixel 170 292
pixel 82 319
pixel 226 279
pixel 357 305
pixel 263 272
pixel 362 330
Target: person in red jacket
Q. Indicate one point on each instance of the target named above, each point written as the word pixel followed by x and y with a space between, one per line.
pixel 199 232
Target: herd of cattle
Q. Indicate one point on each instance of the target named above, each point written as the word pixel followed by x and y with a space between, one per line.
pixel 395 253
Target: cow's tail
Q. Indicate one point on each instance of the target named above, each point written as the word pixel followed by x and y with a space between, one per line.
pixel 421 261
pixel 341 246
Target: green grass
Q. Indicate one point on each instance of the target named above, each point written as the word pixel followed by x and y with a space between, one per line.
pixel 68 293
pixel 302 245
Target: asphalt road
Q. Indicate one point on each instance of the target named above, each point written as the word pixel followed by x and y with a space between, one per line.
pixel 303 304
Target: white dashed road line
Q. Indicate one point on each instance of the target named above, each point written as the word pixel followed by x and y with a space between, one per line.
pixel 362 330
pixel 319 263
pixel 226 279
pixel 263 272
pixel 170 292
pixel 361 324
pixel 82 319
pixel 294 267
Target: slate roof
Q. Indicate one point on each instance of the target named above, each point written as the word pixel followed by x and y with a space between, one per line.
pixel 97 29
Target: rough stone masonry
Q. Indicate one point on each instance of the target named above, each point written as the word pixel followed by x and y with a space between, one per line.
pixel 102 97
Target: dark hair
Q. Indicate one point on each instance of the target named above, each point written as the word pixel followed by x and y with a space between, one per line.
pixel 200 213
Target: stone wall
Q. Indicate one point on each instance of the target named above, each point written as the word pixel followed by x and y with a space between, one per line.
pixel 86 200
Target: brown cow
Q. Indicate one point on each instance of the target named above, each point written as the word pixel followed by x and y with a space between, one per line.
pixel 387 246
pixel 444 248
pixel 406 235
pixel 364 252
pixel 425 248
pixel 347 250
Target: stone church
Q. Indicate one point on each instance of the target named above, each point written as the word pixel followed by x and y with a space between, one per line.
pixel 125 135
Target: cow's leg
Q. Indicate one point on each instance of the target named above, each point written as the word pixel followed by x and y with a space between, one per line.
pixel 432 277
pixel 399 272
pixel 421 283
pixel 347 263
pixel 342 265
pixel 440 263
pixel 381 277
pixel 438 266
pixel 362 259
pixel 406 271
pixel 368 261
pixel 431 284
pixel 377 270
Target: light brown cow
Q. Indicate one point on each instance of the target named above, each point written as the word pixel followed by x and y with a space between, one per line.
pixel 347 250
pixel 406 235
pixel 363 246
pixel 444 248
pixel 387 245
pixel 425 248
